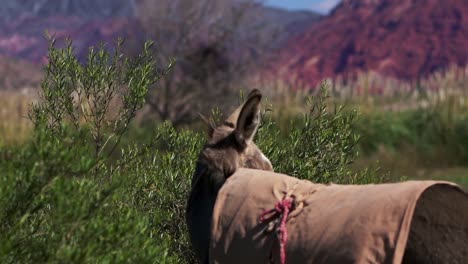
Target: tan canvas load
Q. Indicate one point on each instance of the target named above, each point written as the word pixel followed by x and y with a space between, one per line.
pixel 412 222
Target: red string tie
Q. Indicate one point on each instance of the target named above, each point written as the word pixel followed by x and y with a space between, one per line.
pixel 282 210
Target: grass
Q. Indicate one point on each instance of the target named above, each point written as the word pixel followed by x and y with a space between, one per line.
pixel 15 127
pixel 458 175
pixel 407 163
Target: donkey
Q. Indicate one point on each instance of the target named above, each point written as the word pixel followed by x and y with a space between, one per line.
pixel 229 147
pixel 385 210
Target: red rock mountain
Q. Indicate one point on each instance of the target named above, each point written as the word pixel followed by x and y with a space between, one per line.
pixel 25 38
pixel 406 39
pixel 88 22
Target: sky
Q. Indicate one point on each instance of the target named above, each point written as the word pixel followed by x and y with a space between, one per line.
pixel 322 6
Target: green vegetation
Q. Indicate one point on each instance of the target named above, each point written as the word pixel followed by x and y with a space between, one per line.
pixel 421 143
pixel 83 190
pixel 414 130
pixel 320 146
pixel 64 199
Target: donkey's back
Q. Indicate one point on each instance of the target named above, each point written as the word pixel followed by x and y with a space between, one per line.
pixel 338 223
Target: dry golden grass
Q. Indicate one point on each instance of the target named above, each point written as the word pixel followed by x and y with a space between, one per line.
pixel 371 92
pixel 15 127
pixel 18 75
pixel 18 82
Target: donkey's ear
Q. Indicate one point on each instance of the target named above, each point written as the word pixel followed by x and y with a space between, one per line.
pixel 249 118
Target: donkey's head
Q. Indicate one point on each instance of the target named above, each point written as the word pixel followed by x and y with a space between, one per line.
pixel 229 147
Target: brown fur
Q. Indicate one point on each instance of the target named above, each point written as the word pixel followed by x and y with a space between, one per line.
pixel 229 147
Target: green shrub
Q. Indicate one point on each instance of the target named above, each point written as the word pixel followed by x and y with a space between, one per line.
pixel 54 210
pixel 98 99
pixel 63 199
pixel 159 182
pixel 319 147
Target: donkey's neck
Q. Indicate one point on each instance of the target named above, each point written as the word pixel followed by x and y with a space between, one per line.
pixel 206 183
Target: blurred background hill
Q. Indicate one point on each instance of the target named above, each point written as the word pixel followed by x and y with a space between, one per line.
pixel 11 9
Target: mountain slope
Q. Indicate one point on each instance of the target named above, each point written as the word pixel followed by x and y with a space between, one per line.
pixel 406 39
pixel 285 22
pixel 12 9
pixel 23 24
pixel 24 37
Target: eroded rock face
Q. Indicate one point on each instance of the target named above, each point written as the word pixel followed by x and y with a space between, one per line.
pixel 405 39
